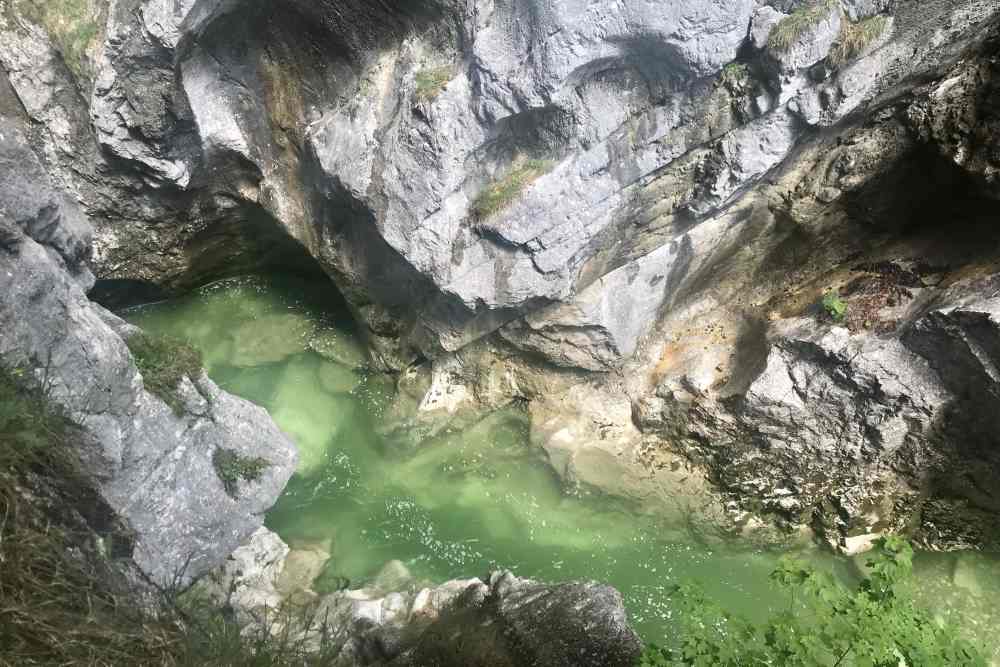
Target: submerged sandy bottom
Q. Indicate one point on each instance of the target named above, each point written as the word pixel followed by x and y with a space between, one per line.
pixel 473 500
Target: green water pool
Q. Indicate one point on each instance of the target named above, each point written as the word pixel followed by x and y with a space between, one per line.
pixel 475 499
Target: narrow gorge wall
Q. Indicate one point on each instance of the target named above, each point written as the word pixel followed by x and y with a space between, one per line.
pixel 689 179
pixel 153 465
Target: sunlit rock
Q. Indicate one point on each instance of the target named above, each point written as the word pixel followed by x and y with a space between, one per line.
pixel 337 379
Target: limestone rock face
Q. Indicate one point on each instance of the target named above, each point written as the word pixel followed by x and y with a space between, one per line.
pixel 498 622
pixel 154 468
pixel 364 134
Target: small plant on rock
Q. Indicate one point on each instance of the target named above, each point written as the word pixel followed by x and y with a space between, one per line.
pixel 855 38
pixel 73 26
pixel 29 423
pixel 163 362
pixel 430 82
pixel 793 26
pixel 232 467
pixel 499 195
pixel 734 76
pixel 834 306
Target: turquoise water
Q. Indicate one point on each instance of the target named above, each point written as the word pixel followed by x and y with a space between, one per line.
pixel 470 500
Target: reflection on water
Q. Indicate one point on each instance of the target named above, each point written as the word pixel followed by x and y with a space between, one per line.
pixel 468 501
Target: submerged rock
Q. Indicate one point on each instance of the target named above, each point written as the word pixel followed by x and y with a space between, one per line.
pixel 339 348
pixel 303 564
pixel 337 379
pixel 299 389
pixel 269 339
pixel 394 576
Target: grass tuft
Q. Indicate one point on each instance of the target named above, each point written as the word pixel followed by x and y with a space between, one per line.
pixel 59 603
pixel 231 468
pixel 856 37
pixel 163 362
pixel 73 25
pixel 499 195
pixel 28 424
pixel 65 598
pixel 431 81
pixel 793 26
pixel 734 77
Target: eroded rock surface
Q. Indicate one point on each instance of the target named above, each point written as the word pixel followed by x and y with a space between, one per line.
pixel 154 467
pixel 502 621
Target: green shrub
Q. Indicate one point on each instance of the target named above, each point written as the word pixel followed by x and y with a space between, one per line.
pixel 163 362
pixel 57 602
pixel 834 306
pixel 734 76
pixel 856 37
pixel 231 467
pixel 793 26
pixel 70 24
pixel 64 600
pixel 28 423
pixel 499 195
pixel 430 82
pixel 826 624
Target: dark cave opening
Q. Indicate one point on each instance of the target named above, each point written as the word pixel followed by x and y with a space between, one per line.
pixel 249 241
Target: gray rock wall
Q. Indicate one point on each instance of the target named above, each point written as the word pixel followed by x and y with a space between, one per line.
pixel 154 468
pixel 499 621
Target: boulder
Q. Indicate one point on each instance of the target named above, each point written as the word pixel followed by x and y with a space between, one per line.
pixel 519 622
pixel 154 467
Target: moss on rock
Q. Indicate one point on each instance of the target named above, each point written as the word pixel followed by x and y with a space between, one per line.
pixel 800 21
pixel 232 468
pixel 73 25
pixel 164 362
pixel 503 192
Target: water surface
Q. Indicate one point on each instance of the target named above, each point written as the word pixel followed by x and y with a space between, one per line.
pixel 471 500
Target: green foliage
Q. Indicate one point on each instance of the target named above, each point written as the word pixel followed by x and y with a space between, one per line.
pixel 855 38
pixel 163 362
pixel 430 82
pixel 57 605
pixel 826 624
pixel 499 195
pixel 28 424
pixel 63 598
pixel 72 24
pixel 231 467
pixel 734 76
pixel 834 306
pixel 793 26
